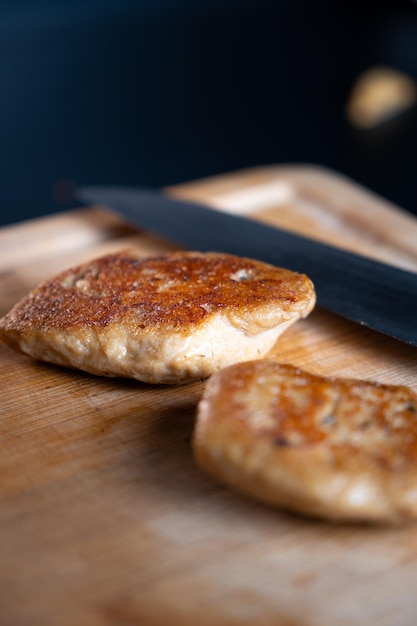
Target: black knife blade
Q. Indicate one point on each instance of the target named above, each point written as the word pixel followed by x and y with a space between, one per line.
pixel 374 294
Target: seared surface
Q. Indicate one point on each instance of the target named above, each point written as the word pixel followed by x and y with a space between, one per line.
pixel 178 289
pixel 166 319
pixel 341 449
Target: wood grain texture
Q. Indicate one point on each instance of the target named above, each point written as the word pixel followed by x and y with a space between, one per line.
pixel 105 519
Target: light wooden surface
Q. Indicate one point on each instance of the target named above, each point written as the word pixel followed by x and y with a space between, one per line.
pixel 104 518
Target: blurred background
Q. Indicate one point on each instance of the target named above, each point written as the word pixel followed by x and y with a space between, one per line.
pixel 158 92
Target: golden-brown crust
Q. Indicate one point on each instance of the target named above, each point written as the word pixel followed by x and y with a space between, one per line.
pixel 181 289
pixel 339 449
pixel 170 318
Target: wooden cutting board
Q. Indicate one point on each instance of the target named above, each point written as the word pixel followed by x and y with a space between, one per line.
pixel 104 518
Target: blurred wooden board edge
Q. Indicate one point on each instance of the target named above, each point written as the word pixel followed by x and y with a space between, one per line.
pixel 315 202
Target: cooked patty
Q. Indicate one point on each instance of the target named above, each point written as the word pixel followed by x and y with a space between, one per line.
pixel 167 319
pixel 337 449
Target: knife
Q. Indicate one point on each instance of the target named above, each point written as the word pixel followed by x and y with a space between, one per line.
pixel 374 294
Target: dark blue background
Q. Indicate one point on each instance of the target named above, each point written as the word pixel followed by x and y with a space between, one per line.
pixel 164 91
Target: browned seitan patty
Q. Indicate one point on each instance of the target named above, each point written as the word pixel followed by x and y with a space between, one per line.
pixel 338 449
pixel 169 319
